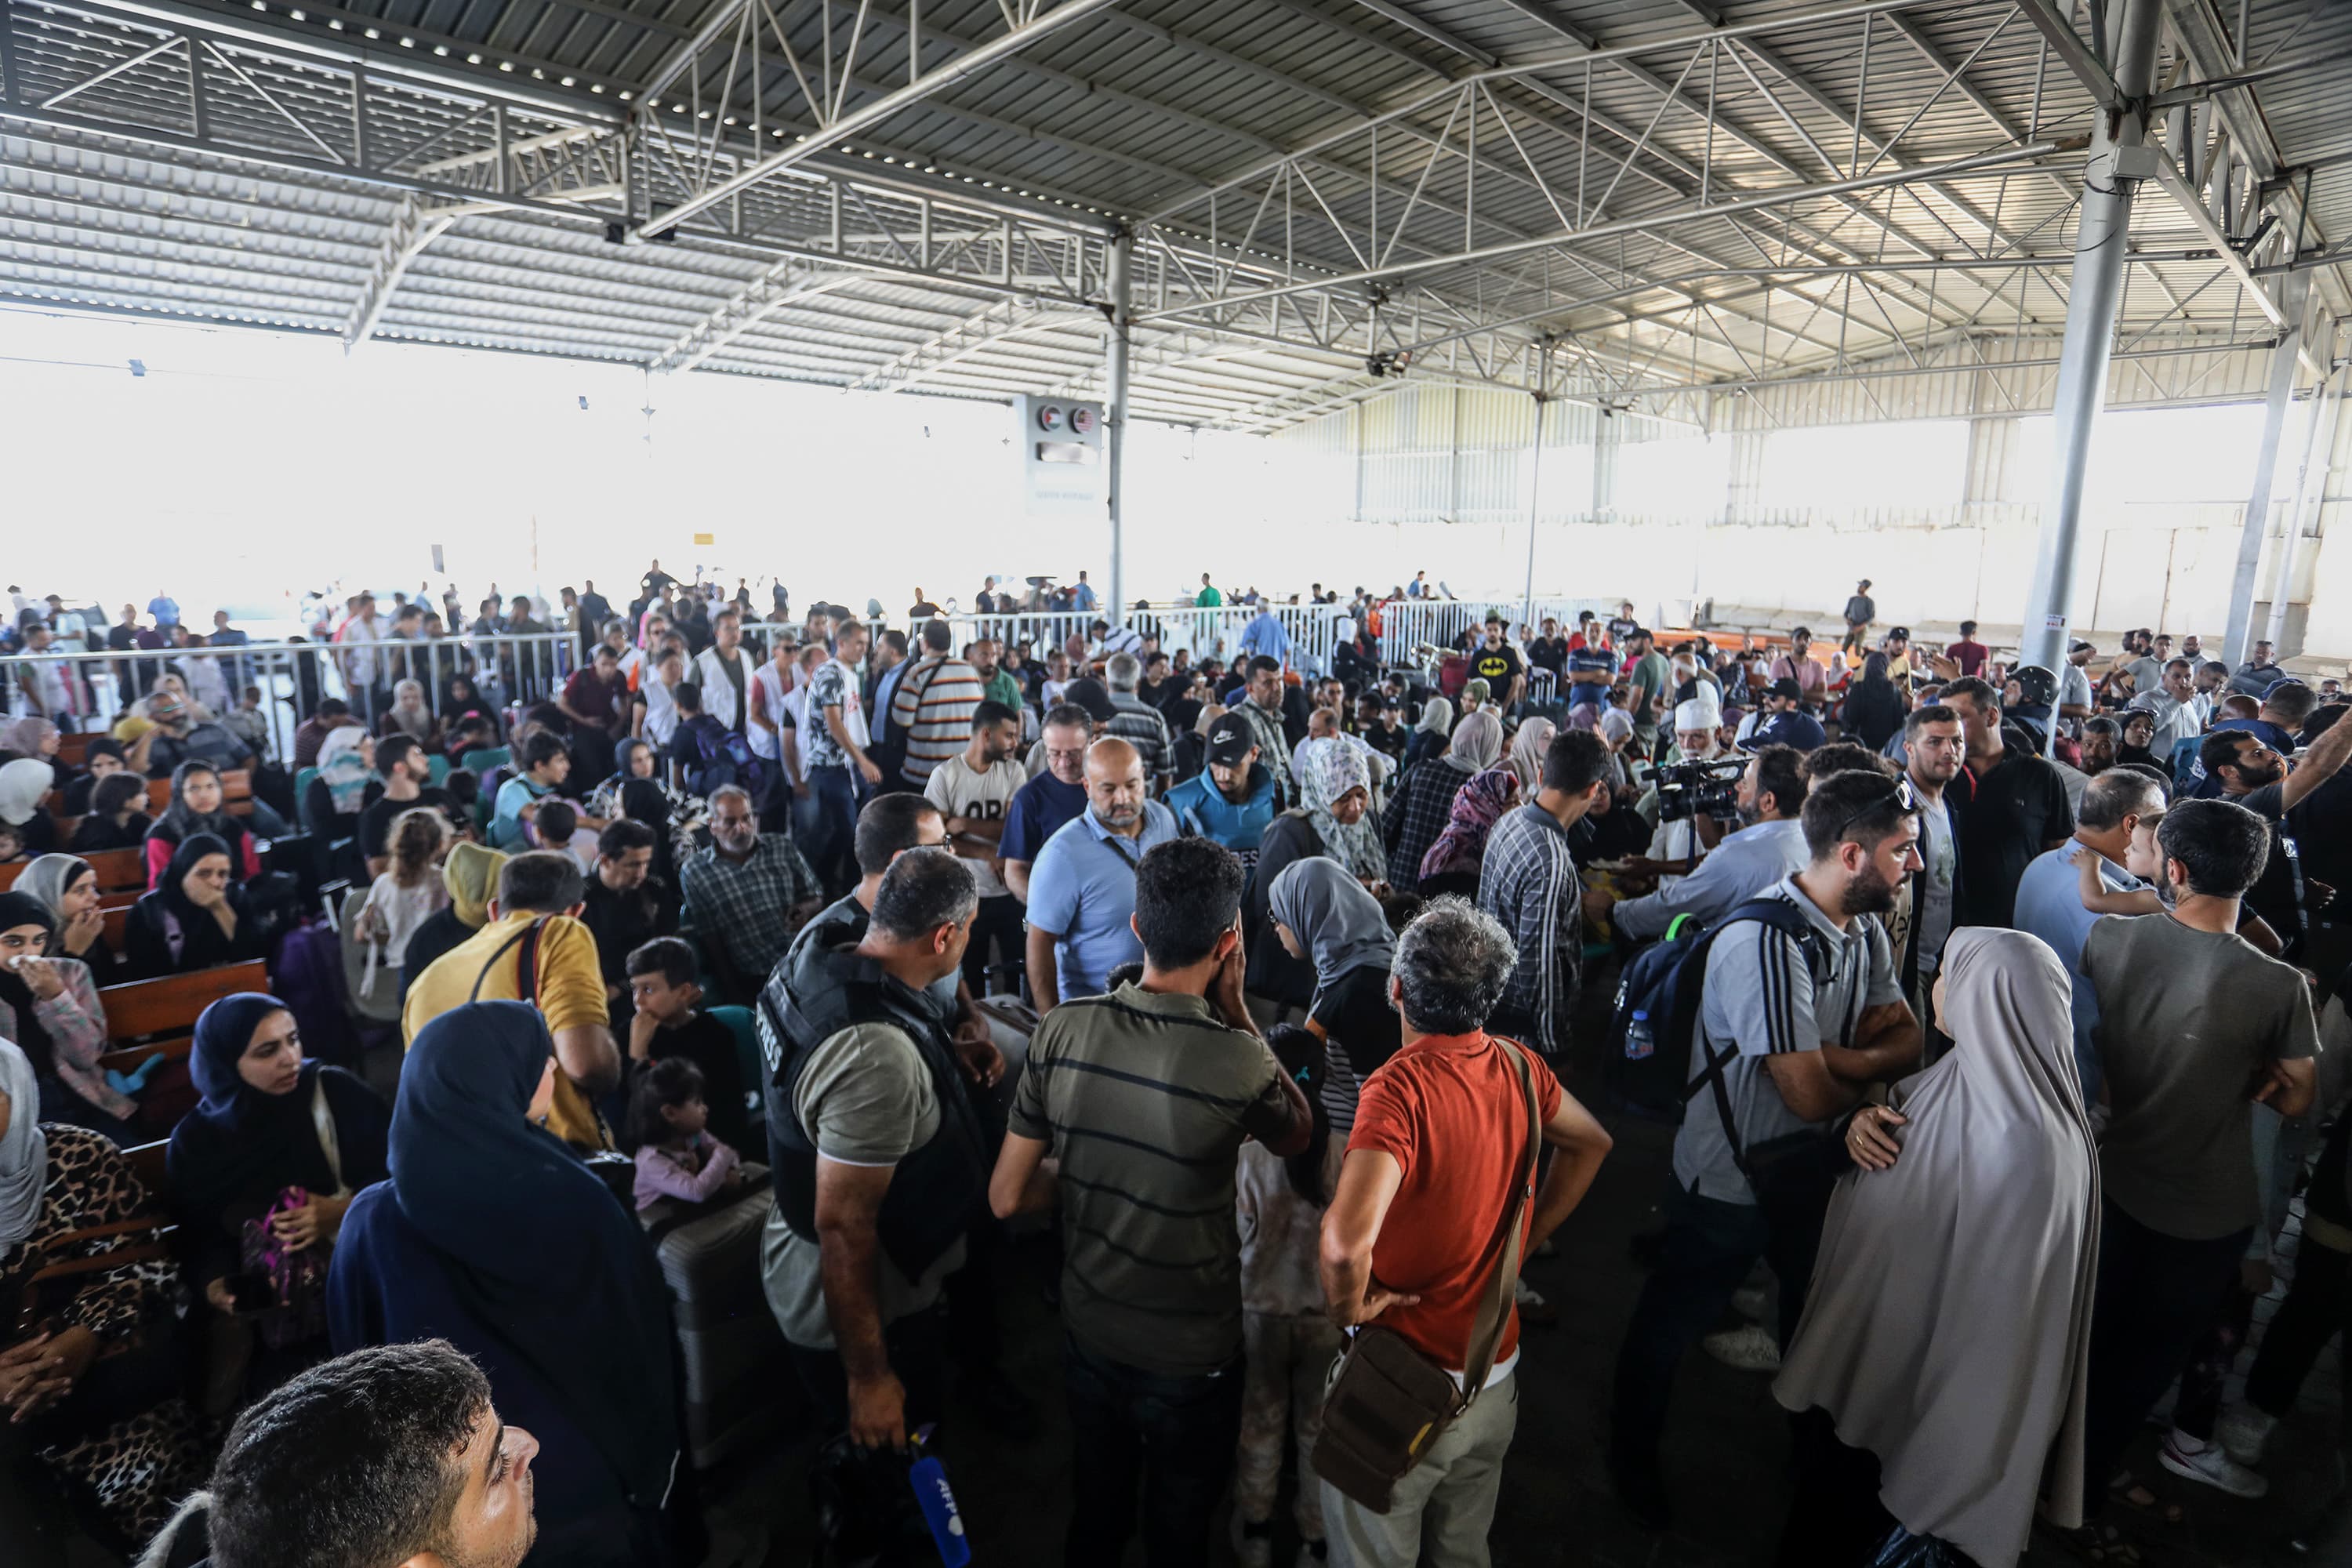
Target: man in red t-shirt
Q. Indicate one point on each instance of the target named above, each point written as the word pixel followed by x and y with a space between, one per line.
pixel 1968 653
pixel 1414 1239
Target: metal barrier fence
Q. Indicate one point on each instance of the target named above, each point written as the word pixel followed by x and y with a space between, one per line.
pixel 93 689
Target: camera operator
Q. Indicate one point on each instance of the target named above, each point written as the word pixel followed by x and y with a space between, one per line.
pixel 1675 794
pixel 1768 848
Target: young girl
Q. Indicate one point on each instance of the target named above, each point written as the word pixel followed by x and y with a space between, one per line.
pixel 2145 860
pixel 407 894
pixel 675 1157
pixel 1287 1341
pixel 115 820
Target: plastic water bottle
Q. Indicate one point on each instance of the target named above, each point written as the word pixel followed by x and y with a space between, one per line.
pixel 1639 1042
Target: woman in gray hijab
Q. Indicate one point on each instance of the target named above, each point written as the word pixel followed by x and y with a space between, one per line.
pixel 1324 916
pixel 1946 1334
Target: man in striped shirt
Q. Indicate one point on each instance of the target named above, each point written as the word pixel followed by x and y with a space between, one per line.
pixel 933 706
pixel 1137 722
pixel 1529 884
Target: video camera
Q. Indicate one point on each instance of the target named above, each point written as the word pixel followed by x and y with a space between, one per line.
pixel 1692 789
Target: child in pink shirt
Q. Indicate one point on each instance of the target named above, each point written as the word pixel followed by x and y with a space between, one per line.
pixel 675 1157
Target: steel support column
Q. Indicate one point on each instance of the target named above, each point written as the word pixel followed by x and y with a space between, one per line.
pixel 1535 486
pixel 1114 350
pixel 2319 441
pixel 2293 293
pixel 2094 293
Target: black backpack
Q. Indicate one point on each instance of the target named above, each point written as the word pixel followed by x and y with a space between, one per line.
pixel 1658 1007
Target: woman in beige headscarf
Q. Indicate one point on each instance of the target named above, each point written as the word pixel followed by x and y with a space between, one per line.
pixel 1526 756
pixel 1946 1334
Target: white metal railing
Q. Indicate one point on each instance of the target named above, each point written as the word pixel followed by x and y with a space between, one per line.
pixel 292 676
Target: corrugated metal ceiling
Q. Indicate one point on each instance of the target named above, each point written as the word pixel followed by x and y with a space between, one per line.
pixel 274 163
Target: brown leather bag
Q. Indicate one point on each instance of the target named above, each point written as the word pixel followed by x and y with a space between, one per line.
pixel 1388 1403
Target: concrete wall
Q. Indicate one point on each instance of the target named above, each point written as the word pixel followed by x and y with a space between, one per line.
pixel 2160 534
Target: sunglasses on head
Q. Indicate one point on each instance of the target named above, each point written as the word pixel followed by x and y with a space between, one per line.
pixel 1898 790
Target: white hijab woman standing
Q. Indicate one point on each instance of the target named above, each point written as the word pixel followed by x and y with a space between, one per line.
pixel 1947 1331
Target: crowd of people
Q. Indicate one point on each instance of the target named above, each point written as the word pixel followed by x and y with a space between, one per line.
pixel 1990 1004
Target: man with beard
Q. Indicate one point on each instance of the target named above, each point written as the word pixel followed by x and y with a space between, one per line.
pixel 1680 841
pixel 2256 777
pixel 1933 745
pixel 2009 806
pixel 1082 889
pixel 1792 1028
pixel 973 793
pixel 1768 848
pixel 746 895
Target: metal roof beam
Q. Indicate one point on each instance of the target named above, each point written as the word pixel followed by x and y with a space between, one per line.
pixel 410 231
pixel 841 127
pixel 775 286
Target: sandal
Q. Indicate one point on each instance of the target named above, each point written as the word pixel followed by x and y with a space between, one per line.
pixel 2102 1545
pixel 2144 1502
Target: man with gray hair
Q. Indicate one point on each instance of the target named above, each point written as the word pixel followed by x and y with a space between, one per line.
pixel 1410 1238
pixel 2119 805
pixel 745 895
pixel 1137 722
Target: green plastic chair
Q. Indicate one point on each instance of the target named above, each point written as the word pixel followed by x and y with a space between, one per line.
pixel 483 761
pixel 747 1054
pixel 437 768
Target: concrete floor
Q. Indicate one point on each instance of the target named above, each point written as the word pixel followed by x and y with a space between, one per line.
pixel 1727 1448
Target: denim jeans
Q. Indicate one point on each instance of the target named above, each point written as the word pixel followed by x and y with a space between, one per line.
pixel 1176 1435
pixel 830 817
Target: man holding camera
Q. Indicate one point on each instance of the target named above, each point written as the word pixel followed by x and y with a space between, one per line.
pixel 1768 848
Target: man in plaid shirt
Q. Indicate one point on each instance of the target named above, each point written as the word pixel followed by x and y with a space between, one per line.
pixel 1529 883
pixel 745 895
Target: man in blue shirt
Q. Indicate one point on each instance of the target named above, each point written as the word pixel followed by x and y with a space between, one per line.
pixel 1082 887
pixel 1054 795
pixel 1231 801
pixel 2117 804
pixel 1266 635
pixel 166 609
pixel 1768 850
pixel 1082 594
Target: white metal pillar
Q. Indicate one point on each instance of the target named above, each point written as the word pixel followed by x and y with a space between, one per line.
pixel 1122 248
pixel 2318 442
pixel 1535 495
pixel 2283 365
pixel 2093 292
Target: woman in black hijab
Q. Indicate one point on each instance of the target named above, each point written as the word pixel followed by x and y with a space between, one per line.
pixel 200 806
pixel 50 1008
pixel 194 916
pixel 492 1234
pixel 262 1172
pixel 1874 708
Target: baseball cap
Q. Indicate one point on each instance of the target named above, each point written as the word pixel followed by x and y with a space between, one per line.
pixel 1785 686
pixel 1230 740
pixel 1090 694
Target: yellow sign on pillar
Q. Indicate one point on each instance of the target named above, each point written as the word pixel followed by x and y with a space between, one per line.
pixel 706 539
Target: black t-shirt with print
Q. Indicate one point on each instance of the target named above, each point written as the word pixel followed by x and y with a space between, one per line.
pixel 1497 667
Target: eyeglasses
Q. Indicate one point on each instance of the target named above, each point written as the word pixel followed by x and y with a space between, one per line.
pixel 1899 791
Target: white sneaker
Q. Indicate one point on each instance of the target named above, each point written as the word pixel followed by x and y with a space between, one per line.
pixel 2243 1431
pixel 2211 1467
pixel 1751 1349
pixel 1753 1302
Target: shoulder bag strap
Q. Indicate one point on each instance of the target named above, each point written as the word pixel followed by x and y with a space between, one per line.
pixel 1487 1330
pixel 322 1120
pixel 492 962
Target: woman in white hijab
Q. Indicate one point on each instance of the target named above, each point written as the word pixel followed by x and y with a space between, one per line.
pixel 1946 1334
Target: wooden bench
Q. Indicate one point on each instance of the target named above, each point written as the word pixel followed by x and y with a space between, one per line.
pixel 161 1015
pixel 74 749
pixel 147 1162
